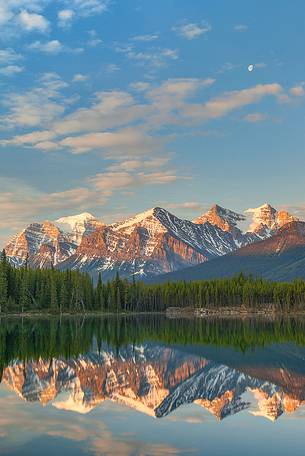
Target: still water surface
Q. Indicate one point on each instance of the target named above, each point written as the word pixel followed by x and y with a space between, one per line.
pixel 152 386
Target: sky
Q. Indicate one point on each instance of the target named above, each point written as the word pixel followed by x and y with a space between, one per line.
pixel 117 106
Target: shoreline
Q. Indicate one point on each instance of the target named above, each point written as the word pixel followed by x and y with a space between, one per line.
pixel 78 314
pixel 233 312
pixel 170 312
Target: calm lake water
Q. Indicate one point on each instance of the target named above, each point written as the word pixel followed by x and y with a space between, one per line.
pixel 152 386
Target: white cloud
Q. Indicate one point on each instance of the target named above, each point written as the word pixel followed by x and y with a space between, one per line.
pixel 116 123
pixel 48 47
pixel 80 78
pixel 37 107
pixel 230 101
pixel 88 7
pixel 65 17
pixel 126 141
pixel 297 91
pixel 110 181
pixel 33 22
pixel 109 110
pixel 53 47
pixel 10 70
pixel 192 31
pixel 19 16
pixel 154 56
pixel 8 56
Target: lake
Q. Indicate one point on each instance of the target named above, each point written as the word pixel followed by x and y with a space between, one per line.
pixel 151 385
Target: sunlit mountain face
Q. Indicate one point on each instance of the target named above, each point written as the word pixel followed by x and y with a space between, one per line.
pixel 144 364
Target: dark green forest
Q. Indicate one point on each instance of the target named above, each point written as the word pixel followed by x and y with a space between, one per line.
pixel 25 290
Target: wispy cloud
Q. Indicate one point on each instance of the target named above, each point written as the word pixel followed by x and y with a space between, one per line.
pixel 146 38
pixel 36 107
pixel 65 17
pixel 48 47
pixel 80 77
pixel 117 123
pixel 230 101
pixel 297 91
pixel 52 47
pixel 191 30
pixel 11 70
pixel 127 141
pixel 8 56
pixel 153 56
pixel 88 7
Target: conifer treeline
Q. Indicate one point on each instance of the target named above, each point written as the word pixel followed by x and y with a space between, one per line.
pixel 51 290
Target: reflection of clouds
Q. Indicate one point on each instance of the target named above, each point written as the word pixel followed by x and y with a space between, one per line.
pixel 116 447
pixel 91 434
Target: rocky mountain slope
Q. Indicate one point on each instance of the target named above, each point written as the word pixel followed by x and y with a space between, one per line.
pixel 151 243
pixel 279 257
pixel 41 245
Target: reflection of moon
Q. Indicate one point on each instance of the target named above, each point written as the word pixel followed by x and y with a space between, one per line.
pixel 250 67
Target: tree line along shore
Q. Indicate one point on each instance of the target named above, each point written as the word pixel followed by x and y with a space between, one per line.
pixel 25 290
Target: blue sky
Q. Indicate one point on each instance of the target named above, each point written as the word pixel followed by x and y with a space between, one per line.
pixel 116 106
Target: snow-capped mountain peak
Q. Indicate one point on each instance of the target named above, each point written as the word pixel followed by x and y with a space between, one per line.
pixel 265 219
pixel 146 219
pixel 221 217
pixel 79 225
pixel 74 220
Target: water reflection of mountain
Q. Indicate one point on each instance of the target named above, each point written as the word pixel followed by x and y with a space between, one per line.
pixel 156 379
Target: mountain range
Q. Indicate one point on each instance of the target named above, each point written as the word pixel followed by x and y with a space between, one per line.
pixel 157 245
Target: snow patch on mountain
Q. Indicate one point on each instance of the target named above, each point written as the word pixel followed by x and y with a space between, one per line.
pixel 266 220
pixel 78 225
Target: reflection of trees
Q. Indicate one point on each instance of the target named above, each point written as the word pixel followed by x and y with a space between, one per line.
pixel 32 339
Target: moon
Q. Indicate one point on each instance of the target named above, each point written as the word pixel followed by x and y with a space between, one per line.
pixel 250 67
